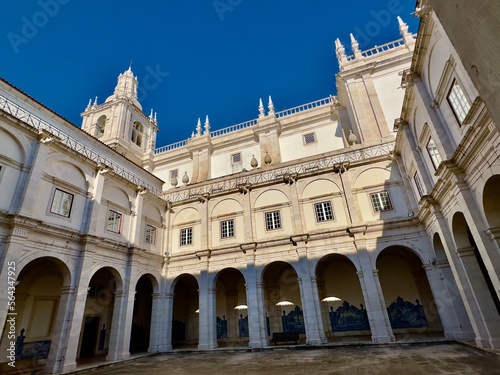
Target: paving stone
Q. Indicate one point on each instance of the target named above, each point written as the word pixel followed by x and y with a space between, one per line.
pixel 364 360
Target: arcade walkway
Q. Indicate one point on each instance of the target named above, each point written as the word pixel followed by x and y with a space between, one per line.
pixel 445 358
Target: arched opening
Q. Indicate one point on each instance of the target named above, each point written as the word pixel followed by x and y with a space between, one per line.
pixel 342 304
pixel 464 240
pixel 185 321
pixel 491 205
pixel 232 309
pixel 439 249
pixel 98 315
pixel 410 304
pixel 136 135
pixel 282 300
pixel 100 126
pixel 141 321
pixel 39 311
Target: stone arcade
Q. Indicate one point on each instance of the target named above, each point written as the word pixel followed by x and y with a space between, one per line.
pixel 373 215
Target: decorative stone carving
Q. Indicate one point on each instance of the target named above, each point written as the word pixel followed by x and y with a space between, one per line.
pixel 254 163
pixel 185 178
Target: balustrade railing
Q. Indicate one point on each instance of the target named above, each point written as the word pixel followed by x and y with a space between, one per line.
pixel 75 145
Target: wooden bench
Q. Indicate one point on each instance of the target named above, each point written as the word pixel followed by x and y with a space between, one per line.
pixel 285 337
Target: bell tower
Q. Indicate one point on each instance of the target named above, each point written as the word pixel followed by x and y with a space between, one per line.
pixel 120 123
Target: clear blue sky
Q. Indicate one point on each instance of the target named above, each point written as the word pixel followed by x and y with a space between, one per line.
pixel 202 56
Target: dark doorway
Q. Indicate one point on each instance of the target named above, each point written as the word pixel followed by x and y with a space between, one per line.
pixel 89 338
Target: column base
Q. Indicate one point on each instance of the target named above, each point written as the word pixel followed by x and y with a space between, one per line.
pixel 493 343
pixel 68 367
pixel 383 339
pixel 314 342
pixel 465 336
pixel 207 346
pixel 257 344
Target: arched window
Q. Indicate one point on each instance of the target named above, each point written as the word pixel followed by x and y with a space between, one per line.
pixel 100 125
pixel 137 130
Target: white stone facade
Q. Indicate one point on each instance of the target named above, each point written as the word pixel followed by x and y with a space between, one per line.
pixel 306 220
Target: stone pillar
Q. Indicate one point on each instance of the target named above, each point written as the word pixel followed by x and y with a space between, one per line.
pixel 155 339
pixel 208 324
pixel 116 339
pixel 315 334
pixel 378 318
pixel 75 298
pixel 485 321
pixel 451 313
pixel 470 282
pixel 256 312
pixel 168 316
pixel 59 339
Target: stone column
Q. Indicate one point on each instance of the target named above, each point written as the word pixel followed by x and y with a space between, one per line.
pixel 470 282
pixel 315 334
pixel 168 316
pixel 116 339
pixel 75 298
pixel 155 339
pixel 208 325
pixel 447 307
pixel 486 321
pixel 378 318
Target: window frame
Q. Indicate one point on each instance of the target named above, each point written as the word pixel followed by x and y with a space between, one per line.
pixel 275 216
pixel 418 184
pixel 186 236
pixel 227 232
pixel 434 154
pixel 316 213
pixel 51 208
pixel 304 138
pixel 379 194
pixel 118 215
pixel 147 234
pixel 456 102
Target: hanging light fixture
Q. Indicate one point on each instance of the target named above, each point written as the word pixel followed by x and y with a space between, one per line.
pixel 331 299
pixel 241 307
pixel 284 303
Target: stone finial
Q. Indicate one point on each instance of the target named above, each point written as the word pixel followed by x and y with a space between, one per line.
pixel 340 51
pixel 198 127
pixel 207 125
pixel 403 30
pixel 270 106
pixel 90 103
pixel 254 163
pixel 185 178
pixel 261 109
pixel 174 181
pixel 95 102
pixel 352 139
pixel 156 118
pixel 355 47
pixel 151 115
pixel 267 159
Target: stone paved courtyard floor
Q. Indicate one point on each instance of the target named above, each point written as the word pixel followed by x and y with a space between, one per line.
pixel 426 359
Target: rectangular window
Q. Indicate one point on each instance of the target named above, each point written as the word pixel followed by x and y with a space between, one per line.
pixel 433 153
pixel 227 228
pixel 61 203
pixel 174 173
pixel 458 102
pixel 150 234
pixel 323 211
pixel 114 221
pixel 186 236
pixel 273 220
pixel 381 201
pixel 309 138
pixel 418 184
pixel 236 158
